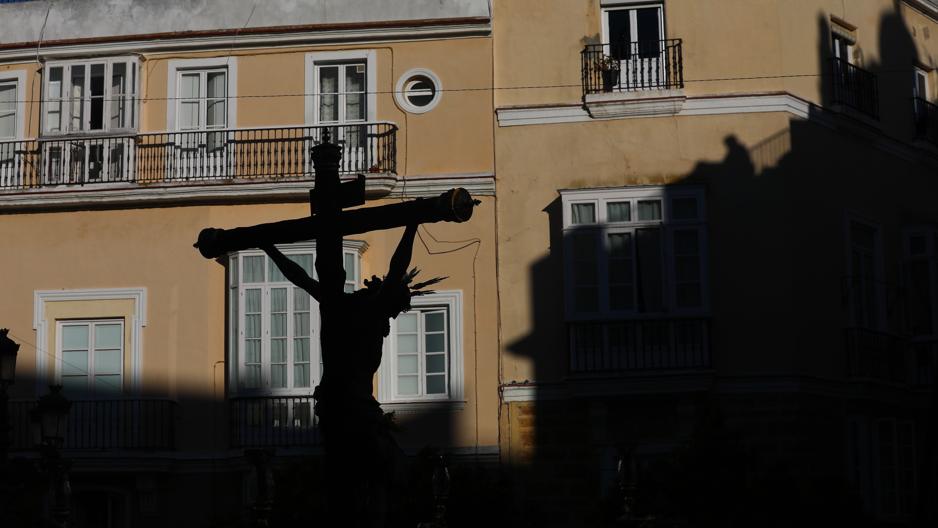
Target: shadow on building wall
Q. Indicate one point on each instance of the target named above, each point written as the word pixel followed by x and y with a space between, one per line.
pixel 778 426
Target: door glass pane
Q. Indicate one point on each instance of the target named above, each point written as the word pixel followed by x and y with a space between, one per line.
pixel 649 33
pixel 74 362
pixel 107 362
pixel 216 104
pixel 436 363
pixel 436 342
pixel 354 89
pixel 75 337
pixel 54 105
pixel 407 385
pixel 118 90
pixel 619 33
pixel 407 343
pixel 107 385
pixel 684 209
pixel 328 90
pixel 305 261
pixel 650 285
pixel 435 321
pixel 75 385
pixel 254 268
pixel 107 336
pixel 96 93
pixel 189 86
pixel 7 111
pixel 407 364
pixel 436 384
pixel 77 103
pixel 407 322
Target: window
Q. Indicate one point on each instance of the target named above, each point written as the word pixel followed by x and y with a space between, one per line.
pixel 275 323
pixel 843 39
pixel 921 276
pixel 90 96
pixel 920 84
pixel 894 441
pixel 635 37
pixel 864 282
pixel 91 354
pixel 423 356
pixel 418 91
pixel 202 104
pixel 631 251
pixel 7 110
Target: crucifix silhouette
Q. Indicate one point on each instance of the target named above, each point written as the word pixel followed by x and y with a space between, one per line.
pixel 362 458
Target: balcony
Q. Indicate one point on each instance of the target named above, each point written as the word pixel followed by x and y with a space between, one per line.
pixel 194 157
pixel 633 78
pixel 273 421
pixel 142 424
pixel 926 121
pixel 854 88
pixel 639 345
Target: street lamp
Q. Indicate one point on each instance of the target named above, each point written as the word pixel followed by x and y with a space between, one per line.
pixel 8 350
pixel 49 420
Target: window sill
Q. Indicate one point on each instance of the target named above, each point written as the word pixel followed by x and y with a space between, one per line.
pixel 635 104
pixel 415 406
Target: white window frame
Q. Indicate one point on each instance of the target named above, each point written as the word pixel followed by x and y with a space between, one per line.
pixel 177 66
pixel 135 326
pixel 924 75
pixel 236 304
pixel 610 5
pixel 451 301
pixel 601 227
pixel 131 98
pixel 338 57
pixel 402 90
pixel 90 393
pixel 18 80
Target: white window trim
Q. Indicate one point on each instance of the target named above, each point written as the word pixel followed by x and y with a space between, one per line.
pixel 109 62
pixel 234 315
pixel 610 5
pixel 401 98
pixel 90 394
pixel 18 79
pixel 665 194
pixel 452 301
pixel 172 82
pixel 371 81
pixel 134 326
pixel 926 75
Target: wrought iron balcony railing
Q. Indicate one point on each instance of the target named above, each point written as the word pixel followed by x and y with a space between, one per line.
pixel 632 66
pixel 203 156
pixel 138 424
pixel 273 421
pixel 854 87
pixel 926 120
pixel 639 345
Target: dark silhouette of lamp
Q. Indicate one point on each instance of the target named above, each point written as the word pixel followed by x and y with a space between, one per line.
pixel 49 420
pixel 8 351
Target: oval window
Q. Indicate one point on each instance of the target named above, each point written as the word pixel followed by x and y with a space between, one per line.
pixel 418 91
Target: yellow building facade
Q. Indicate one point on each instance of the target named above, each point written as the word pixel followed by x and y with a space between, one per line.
pixel 703 271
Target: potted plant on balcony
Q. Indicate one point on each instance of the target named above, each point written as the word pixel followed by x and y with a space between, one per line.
pixel 609 67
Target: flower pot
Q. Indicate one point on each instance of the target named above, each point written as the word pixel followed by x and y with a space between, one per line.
pixel 610 80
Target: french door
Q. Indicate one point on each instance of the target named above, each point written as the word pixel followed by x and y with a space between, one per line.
pixel 341 104
pixel 636 39
pixel 201 120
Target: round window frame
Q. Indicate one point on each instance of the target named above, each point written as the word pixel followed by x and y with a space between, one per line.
pixel 401 98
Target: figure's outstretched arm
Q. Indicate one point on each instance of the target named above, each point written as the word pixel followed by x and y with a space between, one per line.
pixel 293 271
pixel 400 261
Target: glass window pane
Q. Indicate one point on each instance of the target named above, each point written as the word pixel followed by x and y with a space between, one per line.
pixel 189 86
pixel 77 105
pixel 107 336
pixel 349 265
pixel 435 322
pixel 107 362
pixel 684 208
pixel 420 91
pixel 96 84
pixel 436 384
pixel 649 210
pixel 328 109
pixel 301 350
pixel 621 298
pixel 407 364
pixel 278 350
pixel 688 295
pixel 407 344
pixel 75 337
pixel 252 376
pixel 355 107
pixel 436 343
pixel 619 211
pixel 584 213
pixel 355 78
pixel 436 363
pixel 301 324
pixel 74 362
pixel 217 85
pixel 586 299
pixel 278 300
pixel 685 242
pixel 407 385
pixel 305 261
pixel 254 269
pixel 650 281
pixel 278 376
pixel 107 385
pixel 252 352
pixel 216 112
pixel 301 376
pixel 7 111
pixel 75 385
pixel 620 245
pixel 407 322
pixel 252 300
pixel 188 115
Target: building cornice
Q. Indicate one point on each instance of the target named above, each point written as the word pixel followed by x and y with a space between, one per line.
pixel 105 196
pixel 251 37
pixel 732 104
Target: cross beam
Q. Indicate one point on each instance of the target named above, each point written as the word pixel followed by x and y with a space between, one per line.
pixel 454 205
